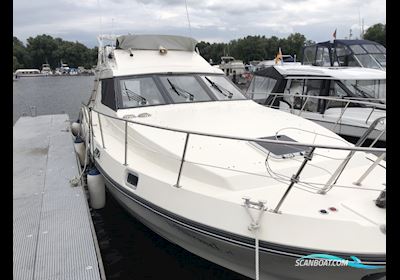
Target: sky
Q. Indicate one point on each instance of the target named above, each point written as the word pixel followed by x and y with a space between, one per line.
pixel 206 20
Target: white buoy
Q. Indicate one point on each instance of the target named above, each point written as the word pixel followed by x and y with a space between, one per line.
pixel 75 128
pixel 97 192
pixel 80 149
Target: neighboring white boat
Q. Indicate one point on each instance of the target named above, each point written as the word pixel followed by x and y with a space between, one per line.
pixel 234 69
pixel 287 59
pixel 346 100
pixel 28 73
pixel 183 150
pixel 46 69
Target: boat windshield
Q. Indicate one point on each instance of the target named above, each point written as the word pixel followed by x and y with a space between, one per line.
pixel 222 88
pixel 367 88
pixel 161 89
pixel 184 88
pixel 140 91
pixel 367 60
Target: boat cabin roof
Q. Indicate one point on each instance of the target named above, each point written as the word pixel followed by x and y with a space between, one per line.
pixel 147 54
pixel 315 72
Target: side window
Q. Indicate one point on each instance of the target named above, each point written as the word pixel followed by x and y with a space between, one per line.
pixel 323 57
pixel 309 55
pixel 337 92
pixel 313 89
pixel 293 87
pixel 261 87
pixel 108 93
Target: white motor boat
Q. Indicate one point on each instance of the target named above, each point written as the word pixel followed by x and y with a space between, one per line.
pixel 28 73
pixel 259 191
pixel 234 69
pixel 346 100
pixel 46 69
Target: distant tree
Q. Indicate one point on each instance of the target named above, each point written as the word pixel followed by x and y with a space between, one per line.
pixel 376 33
pixel 21 58
pixel 41 50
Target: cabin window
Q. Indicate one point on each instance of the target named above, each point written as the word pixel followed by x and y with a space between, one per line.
pixel 294 87
pixel 108 93
pixel 381 58
pixel 140 91
pixel 336 91
pixel 309 55
pixel 261 87
pixel 313 89
pixel 367 61
pixel 222 88
pixel 184 89
pixel 371 48
pixel 381 48
pixel 342 55
pixel 357 49
pixel 367 88
pixel 323 58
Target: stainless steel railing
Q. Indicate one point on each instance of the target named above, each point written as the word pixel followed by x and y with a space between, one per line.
pixel 345 103
pixel 295 177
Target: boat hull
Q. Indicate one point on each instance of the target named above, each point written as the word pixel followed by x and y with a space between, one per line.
pixel 227 252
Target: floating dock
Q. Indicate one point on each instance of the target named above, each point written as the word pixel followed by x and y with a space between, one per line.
pixel 53 233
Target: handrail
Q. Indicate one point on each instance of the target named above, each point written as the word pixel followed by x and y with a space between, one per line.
pixel 329 98
pixel 294 179
pixel 231 137
pixel 335 176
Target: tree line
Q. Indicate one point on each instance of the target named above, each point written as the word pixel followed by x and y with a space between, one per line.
pixel 262 48
pixel 46 49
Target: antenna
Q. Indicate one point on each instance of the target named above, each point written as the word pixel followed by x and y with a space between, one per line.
pixel 362 34
pixel 359 22
pixel 187 14
pixel 101 29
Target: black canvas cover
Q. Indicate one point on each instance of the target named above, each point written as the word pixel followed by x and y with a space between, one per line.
pixel 269 72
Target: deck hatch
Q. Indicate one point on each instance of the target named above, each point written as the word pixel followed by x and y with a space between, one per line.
pixel 279 150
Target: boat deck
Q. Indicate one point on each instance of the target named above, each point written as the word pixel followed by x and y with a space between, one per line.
pixel 53 234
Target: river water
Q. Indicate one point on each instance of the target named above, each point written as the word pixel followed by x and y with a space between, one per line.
pixel 129 249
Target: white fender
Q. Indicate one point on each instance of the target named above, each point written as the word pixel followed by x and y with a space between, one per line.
pixel 80 149
pixel 97 192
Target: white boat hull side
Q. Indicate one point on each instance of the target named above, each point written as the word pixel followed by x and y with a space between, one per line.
pixel 220 250
pixel 350 130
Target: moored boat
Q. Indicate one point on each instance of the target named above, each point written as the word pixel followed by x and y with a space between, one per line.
pixel 184 151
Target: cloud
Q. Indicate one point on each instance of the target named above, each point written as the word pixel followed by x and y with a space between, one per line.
pixel 209 19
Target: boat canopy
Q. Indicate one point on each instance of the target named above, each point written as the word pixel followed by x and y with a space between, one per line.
pixel 360 53
pixel 154 42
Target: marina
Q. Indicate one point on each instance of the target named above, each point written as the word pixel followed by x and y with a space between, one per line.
pixel 241 145
pixel 141 135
